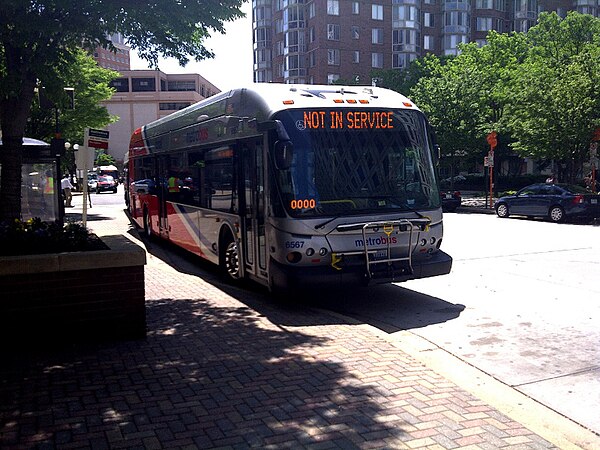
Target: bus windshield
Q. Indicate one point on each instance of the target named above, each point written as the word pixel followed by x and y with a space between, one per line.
pixel 357 161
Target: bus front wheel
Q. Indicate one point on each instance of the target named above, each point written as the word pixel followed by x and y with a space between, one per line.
pixel 230 259
pixel 147 224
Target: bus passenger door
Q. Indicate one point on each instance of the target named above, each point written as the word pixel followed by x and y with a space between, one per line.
pixel 161 192
pixel 252 208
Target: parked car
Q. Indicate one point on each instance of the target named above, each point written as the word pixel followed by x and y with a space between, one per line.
pixel 92 182
pixel 557 202
pixel 451 201
pixel 106 183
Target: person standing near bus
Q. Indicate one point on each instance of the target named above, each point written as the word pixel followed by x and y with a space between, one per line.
pixel 66 187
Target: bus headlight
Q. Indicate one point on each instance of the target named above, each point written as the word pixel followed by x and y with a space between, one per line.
pixel 310 251
pixel 323 251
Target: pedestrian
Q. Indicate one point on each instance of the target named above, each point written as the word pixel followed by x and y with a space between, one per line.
pixel 551 179
pixel 66 187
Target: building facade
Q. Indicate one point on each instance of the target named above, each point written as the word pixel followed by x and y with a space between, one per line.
pixel 116 60
pixel 321 41
pixel 143 96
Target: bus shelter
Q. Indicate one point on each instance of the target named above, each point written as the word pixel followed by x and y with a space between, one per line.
pixel 40 182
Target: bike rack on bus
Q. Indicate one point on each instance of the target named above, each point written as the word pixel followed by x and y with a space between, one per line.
pixel 388 227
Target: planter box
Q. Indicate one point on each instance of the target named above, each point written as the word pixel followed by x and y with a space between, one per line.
pixel 74 296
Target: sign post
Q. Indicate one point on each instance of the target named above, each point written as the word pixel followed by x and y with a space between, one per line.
pixel 92 140
pixel 493 141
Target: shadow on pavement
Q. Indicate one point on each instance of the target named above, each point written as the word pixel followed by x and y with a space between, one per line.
pixel 405 308
pixel 205 376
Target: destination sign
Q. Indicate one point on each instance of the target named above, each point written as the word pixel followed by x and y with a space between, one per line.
pixel 348 120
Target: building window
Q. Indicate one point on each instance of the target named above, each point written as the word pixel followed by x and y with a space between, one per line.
pixel 356 56
pixel 143 85
pixel 333 57
pixel 377 12
pixel 484 4
pixel 332 78
pixel 120 84
pixel 311 10
pixel 333 32
pixel 312 60
pixel 484 23
pixel 181 85
pixel 173 106
pixel 428 19
pixel 355 8
pixel 333 7
pixel 377 36
pixel 377 60
pixel 355 32
pixel 428 42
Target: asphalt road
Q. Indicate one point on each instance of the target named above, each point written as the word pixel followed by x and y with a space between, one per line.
pixel 522 304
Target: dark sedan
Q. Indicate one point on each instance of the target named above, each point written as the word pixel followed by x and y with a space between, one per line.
pixel 451 201
pixel 557 202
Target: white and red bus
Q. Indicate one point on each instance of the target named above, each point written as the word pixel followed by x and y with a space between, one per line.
pixel 294 185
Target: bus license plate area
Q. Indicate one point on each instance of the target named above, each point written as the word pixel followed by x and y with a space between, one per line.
pixel 378 255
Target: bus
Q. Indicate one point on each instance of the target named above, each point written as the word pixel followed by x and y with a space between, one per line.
pixel 294 185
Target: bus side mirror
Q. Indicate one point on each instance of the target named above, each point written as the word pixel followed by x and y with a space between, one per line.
pixel 283 152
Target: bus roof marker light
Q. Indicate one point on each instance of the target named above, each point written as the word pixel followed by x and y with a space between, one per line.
pixel 407 104
pixel 350 100
pixel 288 102
pixel 364 102
pixel 338 100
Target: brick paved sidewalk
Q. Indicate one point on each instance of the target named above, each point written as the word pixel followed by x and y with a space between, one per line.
pixel 214 372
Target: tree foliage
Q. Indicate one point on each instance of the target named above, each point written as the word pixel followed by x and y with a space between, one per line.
pixel 91 86
pixel 539 90
pixel 39 36
pixel 556 107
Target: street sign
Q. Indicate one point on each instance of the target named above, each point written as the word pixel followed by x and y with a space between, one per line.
pixel 95 143
pixel 97 139
pixel 102 134
pixel 488 162
pixel 492 139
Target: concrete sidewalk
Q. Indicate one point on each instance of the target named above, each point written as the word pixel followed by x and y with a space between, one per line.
pixel 228 368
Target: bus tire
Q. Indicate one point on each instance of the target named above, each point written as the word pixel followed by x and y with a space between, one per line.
pixel 230 258
pixel 147 224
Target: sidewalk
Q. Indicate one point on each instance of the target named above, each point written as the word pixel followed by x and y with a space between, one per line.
pixel 227 368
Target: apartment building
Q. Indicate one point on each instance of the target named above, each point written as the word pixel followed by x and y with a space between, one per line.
pixel 321 41
pixel 116 60
pixel 145 95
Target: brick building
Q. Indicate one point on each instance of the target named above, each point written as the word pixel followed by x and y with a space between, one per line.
pixel 320 41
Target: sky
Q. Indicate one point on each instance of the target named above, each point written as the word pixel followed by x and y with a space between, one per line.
pixel 232 65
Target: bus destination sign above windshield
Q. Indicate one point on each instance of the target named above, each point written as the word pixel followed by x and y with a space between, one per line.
pixel 348 120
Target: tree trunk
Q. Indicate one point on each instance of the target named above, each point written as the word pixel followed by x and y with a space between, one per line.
pixel 14 111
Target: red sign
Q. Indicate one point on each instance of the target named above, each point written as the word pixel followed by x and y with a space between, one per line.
pixel 97 144
pixel 492 139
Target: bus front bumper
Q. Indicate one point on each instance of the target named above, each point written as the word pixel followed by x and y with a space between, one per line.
pixel 353 272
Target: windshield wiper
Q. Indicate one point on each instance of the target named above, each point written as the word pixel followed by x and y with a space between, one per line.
pixel 321 225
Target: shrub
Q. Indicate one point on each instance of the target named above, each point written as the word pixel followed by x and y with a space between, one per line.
pixel 35 236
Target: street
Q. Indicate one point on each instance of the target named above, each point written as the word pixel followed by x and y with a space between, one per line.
pixel 521 304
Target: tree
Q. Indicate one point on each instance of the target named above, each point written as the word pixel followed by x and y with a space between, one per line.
pixel 39 36
pixel 90 83
pixel 556 101
pixel 449 98
pixel 104 159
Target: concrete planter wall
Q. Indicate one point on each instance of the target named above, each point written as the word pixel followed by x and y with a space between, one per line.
pixel 93 295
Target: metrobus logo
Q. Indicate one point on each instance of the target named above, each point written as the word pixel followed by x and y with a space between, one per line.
pixel 380 240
